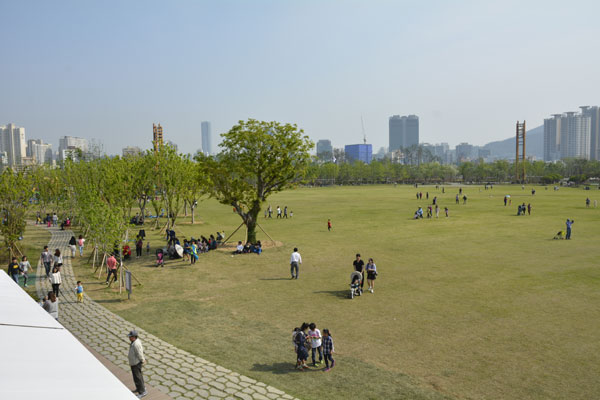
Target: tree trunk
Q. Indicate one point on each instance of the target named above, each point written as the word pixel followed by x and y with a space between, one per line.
pixel 193 212
pixel 185 204
pixel 251 222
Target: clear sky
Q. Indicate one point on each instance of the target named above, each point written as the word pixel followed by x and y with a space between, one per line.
pixel 468 69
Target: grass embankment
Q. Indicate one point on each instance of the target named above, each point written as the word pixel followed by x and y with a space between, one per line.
pixel 34 240
pixel 483 304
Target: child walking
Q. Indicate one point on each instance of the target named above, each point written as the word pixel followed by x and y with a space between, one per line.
pixel 79 290
pixel 24 267
pixel 328 350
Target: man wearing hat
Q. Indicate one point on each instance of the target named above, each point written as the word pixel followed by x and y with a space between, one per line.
pixel 136 360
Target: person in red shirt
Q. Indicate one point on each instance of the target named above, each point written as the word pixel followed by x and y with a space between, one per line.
pixel 111 263
pixel 329 225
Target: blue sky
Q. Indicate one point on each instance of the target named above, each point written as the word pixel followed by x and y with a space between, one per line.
pixel 469 69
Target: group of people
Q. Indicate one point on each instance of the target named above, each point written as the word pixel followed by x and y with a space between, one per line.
pixel 309 336
pixel 430 210
pixel 281 213
pixel 524 209
pixel 248 248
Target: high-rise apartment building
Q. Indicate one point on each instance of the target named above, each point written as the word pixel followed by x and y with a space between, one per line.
pixel 594 114
pixel 552 138
pixel 575 136
pixel 359 152
pixel 157 136
pixel 206 138
pixel 324 149
pixel 41 152
pixel 70 143
pixel 403 132
pixel 12 142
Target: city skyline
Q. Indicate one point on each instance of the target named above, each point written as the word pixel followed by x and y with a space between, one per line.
pixel 468 70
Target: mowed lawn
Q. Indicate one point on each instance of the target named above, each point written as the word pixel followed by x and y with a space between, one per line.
pixel 483 304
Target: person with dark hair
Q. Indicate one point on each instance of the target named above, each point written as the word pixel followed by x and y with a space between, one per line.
pixel 301 347
pixel 47 260
pixel 13 270
pixel 136 361
pixel 315 343
pixel 111 263
pixel 569 223
pixel 371 274
pixel 73 246
pixel 328 349
pixel 359 266
pixel 51 305
pixel 295 261
pixel 139 246
pixel 56 280
pixel 24 267
pixel 58 260
pixel 80 243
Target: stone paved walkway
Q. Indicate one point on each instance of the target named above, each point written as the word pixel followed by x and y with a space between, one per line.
pixel 175 372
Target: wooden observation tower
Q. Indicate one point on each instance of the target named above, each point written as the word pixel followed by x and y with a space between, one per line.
pixel 520 174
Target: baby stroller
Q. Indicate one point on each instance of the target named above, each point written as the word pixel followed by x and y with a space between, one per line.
pixel 160 258
pixel 355 281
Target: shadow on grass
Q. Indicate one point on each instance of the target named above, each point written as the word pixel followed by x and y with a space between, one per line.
pixel 108 301
pixel 340 294
pixel 274 279
pixel 279 368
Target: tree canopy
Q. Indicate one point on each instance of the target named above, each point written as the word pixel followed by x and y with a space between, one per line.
pixel 258 159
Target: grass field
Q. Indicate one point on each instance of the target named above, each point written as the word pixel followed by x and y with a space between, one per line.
pixel 480 305
pixel 34 240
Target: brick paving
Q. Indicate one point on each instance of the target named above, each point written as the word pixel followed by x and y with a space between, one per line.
pixel 173 371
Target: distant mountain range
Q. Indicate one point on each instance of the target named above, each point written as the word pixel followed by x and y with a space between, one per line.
pixel 534 145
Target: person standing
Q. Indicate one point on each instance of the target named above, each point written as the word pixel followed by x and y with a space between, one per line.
pixel 55 280
pixel 437 211
pixel 528 208
pixel 315 343
pixel 54 219
pixel 285 212
pixel 371 274
pixel 278 212
pixel 359 266
pixel 13 270
pixel 111 263
pixel 569 223
pixel 139 246
pixel 73 246
pixel 329 225
pixel 47 260
pixel 24 267
pixel 80 243
pixel 57 259
pixel 328 350
pixel 136 361
pixel 295 261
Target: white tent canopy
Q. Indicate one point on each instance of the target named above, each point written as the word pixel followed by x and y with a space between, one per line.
pixel 40 359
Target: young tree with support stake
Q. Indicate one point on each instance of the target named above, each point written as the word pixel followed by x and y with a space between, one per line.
pixel 258 159
pixel 16 191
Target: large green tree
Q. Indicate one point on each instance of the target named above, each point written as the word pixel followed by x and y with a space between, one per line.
pixel 258 159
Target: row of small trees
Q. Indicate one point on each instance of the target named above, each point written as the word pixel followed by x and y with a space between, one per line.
pixel 102 195
pixel 384 171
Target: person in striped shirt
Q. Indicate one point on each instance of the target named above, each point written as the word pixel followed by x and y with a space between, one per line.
pixel 328 349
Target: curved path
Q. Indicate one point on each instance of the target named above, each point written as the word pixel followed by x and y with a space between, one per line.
pixel 175 372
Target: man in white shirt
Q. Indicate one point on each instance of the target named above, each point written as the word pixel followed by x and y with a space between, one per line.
pixel 295 260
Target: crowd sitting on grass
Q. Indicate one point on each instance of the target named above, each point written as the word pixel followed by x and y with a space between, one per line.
pixel 248 248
